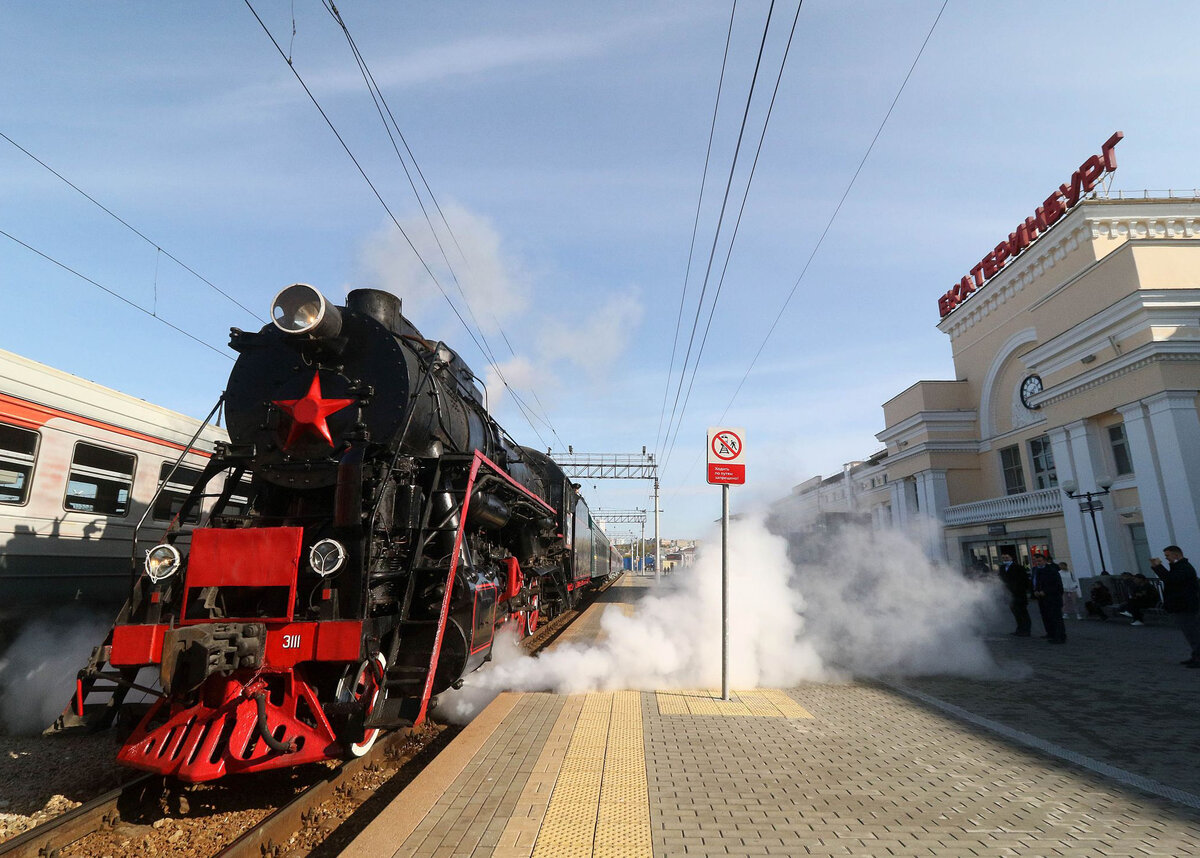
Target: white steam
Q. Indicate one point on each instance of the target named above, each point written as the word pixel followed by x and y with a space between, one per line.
pixel 494 282
pixel 537 337
pixel 37 671
pixel 873 606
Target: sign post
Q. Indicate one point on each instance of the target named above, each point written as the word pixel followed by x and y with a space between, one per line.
pixel 726 467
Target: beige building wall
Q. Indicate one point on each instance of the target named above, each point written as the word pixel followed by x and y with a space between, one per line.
pixel 1077 366
pixel 1098 322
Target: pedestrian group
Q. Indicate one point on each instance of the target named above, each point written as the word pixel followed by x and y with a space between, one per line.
pixel 1180 596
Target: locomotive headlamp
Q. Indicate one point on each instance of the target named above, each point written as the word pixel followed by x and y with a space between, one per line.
pixel 301 309
pixel 326 557
pixel 162 561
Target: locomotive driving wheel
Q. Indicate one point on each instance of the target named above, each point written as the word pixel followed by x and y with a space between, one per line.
pixel 531 615
pixel 363 687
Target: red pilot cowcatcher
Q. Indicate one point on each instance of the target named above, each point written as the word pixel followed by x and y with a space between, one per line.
pixel 308 414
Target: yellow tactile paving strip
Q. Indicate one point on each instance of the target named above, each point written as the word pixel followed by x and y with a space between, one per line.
pixel 522 828
pixel 760 702
pixel 600 804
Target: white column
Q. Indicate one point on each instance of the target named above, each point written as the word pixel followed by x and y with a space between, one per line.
pixel 1147 473
pixel 934 497
pixel 899 503
pixel 1081 545
pixel 1176 427
pixel 1087 458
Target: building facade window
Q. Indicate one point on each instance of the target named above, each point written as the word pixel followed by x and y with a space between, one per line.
pixel 1014 476
pixel 1120 450
pixel 1044 475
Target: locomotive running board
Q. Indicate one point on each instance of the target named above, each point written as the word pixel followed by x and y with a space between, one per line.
pixel 478 462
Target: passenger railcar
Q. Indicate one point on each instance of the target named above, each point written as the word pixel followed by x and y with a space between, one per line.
pixel 79 467
pixel 392 526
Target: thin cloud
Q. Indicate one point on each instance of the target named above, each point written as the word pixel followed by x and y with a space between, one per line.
pixel 594 341
pixel 495 282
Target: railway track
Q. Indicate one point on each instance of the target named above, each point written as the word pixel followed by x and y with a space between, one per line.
pixel 312 812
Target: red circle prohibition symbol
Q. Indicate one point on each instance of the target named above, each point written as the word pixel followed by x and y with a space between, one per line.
pixel 726 445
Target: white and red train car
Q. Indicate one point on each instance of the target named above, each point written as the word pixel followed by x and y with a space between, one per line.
pixel 80 465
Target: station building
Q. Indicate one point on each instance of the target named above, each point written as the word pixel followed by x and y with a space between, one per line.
pixel 1076 370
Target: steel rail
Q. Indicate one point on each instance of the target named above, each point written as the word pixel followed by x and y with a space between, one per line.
pixel 46 839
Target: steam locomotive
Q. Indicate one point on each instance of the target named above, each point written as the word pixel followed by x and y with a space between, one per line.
pixel 392 527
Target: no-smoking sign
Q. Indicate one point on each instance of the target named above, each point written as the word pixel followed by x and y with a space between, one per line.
pixel 726 451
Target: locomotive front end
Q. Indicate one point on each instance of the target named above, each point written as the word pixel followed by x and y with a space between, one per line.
pixel 391 528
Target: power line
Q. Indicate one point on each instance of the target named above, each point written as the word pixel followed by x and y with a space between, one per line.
pixel 695 226
pixel 737 225
pixel 381 106
pixel 720 217
pixel 832 218
pixel 838 208
pixel 392 216
pixel 130 227
pixel 116 295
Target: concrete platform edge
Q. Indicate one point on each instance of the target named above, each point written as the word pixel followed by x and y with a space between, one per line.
pixel 388 831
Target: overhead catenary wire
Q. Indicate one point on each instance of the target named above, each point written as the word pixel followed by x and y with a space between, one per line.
pixel 837 209
pixel 736 226
pixel 695 226
pixel 720 218
pixel 378 196
pixel 382 107
pixel 114 294
pixel 132 228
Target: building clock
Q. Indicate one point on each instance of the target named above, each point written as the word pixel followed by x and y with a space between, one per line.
pixel 1031 387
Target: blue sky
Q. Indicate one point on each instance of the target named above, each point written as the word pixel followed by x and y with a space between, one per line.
pixel 566 143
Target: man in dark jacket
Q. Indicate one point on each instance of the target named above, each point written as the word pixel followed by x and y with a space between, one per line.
pixel 1181 597
pixel 1048 588
pixel 1016 579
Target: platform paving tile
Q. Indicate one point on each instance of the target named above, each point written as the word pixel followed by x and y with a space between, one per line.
pixel 464 815
pixel 1094 695
pixel 874 773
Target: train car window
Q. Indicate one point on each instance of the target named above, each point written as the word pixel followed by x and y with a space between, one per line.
pixel 171 498
pixel 18 448
pixel 100 481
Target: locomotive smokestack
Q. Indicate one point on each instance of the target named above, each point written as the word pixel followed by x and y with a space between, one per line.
pixel 301 309
pixel 383 307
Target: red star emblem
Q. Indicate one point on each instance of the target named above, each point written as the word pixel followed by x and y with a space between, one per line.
pixel 309 413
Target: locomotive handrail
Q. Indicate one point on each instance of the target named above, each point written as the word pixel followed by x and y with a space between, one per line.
pixel 163 483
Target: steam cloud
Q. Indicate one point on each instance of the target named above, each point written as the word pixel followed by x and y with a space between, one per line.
pixel 37 671
pixel 869 604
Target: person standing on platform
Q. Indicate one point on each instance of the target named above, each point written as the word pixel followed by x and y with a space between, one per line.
pixel 1016 579
pixel 1181 597
pixel 1072 596
pixel 1048 590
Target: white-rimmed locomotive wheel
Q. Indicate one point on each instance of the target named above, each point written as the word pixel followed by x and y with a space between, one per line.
pixel 531 616
pixel 366 685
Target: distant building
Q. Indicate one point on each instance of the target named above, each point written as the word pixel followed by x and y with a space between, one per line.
pixel 1076 365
